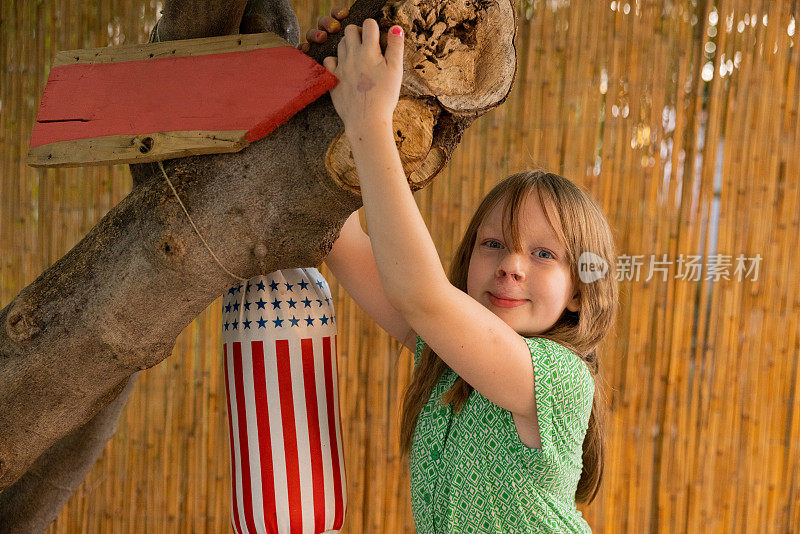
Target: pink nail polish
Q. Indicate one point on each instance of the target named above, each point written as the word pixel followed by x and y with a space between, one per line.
pixel 397 30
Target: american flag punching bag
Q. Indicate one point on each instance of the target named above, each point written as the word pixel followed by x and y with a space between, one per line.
pixel 285 440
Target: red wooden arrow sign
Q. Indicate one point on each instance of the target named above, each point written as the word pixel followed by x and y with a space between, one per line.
pixel 140 103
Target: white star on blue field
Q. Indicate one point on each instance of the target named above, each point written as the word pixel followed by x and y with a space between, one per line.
pixel 289 304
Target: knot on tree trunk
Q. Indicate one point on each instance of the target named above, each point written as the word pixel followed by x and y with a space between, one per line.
pixel 21 325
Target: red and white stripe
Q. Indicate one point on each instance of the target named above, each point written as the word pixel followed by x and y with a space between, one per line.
pixel 289 466
pixel 285 438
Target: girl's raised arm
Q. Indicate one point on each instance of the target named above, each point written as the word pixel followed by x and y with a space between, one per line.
pixel 352 263
pixel 473 341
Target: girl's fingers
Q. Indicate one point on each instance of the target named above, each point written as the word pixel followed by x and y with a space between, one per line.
pixel 325 25
pixel 370 34
pixel 353 32
pixel 329 24
pixel 340 12
pixel 316 36
pixel 330 63
pixel 394 48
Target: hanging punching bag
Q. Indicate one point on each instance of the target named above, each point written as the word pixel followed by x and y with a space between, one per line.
pixel 285 440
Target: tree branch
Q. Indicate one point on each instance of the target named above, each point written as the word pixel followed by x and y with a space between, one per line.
pixel 34 501
pixel 116 302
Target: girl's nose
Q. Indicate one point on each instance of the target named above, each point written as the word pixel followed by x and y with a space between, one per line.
pixel 511 265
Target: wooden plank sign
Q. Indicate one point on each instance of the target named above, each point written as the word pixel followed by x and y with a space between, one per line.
pixel 139 103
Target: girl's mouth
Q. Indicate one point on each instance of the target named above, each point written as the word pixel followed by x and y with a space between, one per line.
pixel 505 303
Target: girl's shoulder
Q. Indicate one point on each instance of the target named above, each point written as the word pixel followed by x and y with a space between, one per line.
pixel 544 351
pixel 550 346
pixel 556 358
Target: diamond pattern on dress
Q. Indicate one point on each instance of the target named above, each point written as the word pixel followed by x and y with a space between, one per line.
pixel 482 478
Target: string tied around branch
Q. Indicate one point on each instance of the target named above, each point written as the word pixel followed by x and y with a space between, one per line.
pixel 141 145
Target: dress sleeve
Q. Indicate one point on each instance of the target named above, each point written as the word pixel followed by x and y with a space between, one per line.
pixel 564 391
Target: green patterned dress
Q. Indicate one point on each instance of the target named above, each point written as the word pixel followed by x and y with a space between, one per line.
pixel 471 473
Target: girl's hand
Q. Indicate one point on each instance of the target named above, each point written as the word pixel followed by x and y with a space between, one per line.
pixel 325 25
pixel 369 83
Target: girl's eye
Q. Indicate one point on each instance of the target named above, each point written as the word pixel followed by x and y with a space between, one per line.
pixel 491 242
pixel 546 252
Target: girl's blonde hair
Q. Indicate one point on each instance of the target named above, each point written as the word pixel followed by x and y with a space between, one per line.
pixel 581 227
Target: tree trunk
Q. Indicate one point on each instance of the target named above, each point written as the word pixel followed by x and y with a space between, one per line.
pixel 33 501
pixel 73 341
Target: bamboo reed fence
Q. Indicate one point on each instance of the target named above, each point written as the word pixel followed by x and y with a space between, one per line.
pixel 681 119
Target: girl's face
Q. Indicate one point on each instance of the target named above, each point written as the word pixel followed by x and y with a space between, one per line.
pixel 528 290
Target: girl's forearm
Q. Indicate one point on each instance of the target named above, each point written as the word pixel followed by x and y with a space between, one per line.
pixel 408 264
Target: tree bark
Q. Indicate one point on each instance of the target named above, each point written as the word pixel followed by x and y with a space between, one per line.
pixel 33 502
pixel 73 341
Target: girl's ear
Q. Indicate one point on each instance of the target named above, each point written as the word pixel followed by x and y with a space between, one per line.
pixel 574 304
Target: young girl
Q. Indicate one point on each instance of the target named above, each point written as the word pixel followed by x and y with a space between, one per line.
pixel 501 423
